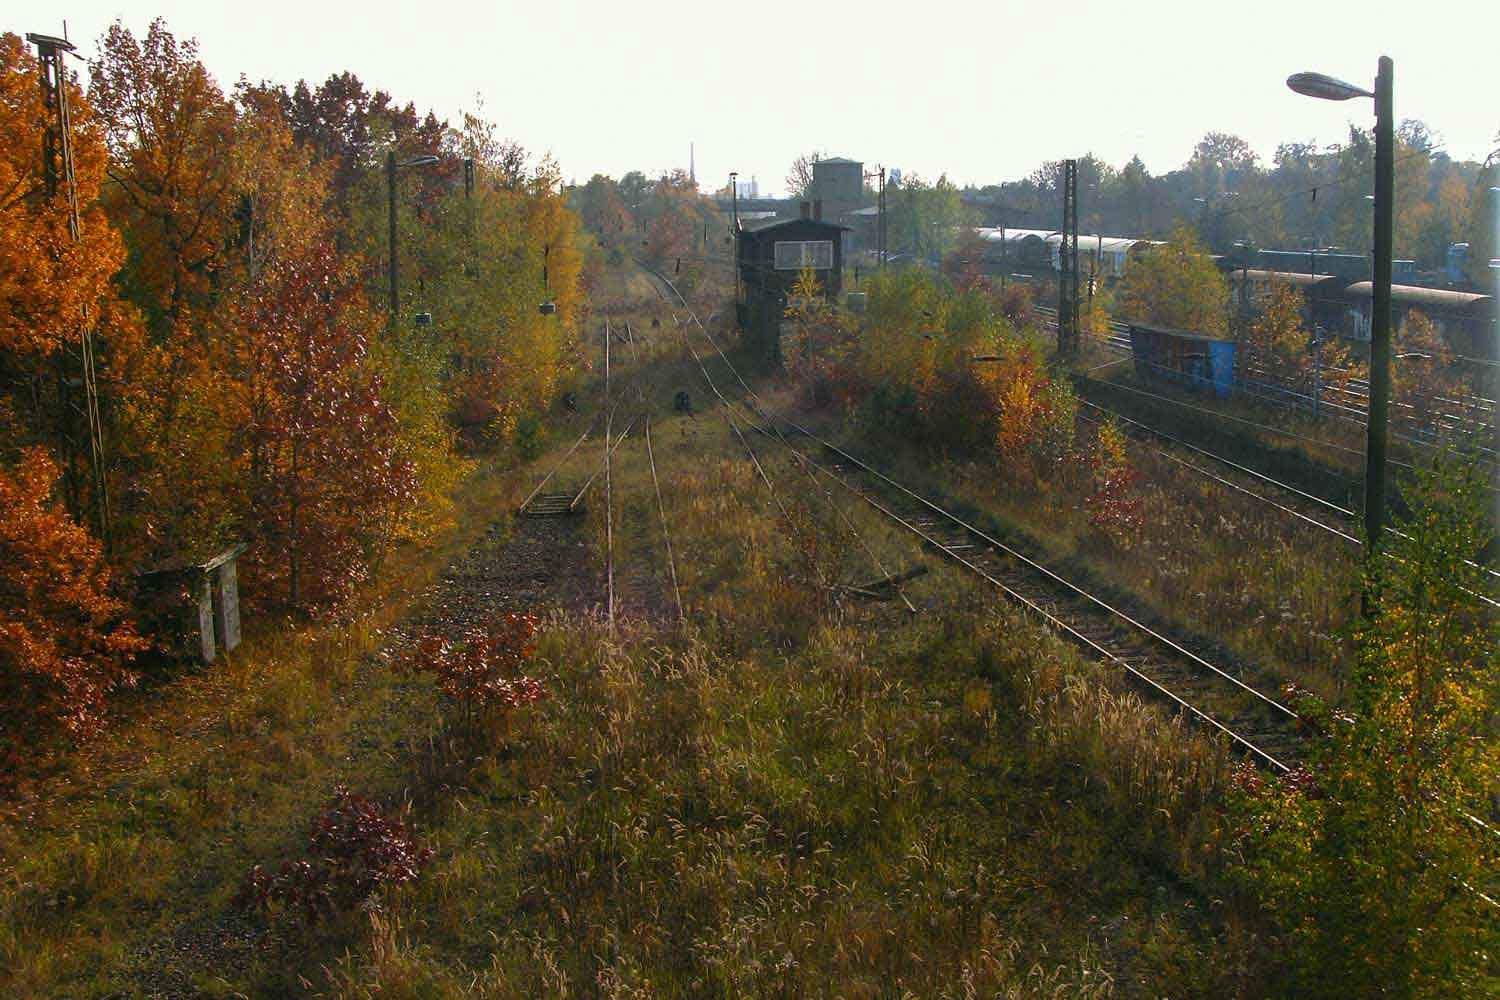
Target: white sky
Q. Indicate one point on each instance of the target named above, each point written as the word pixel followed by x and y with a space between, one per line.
pixel 971 89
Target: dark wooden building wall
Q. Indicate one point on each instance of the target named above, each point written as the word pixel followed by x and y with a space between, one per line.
pixel 764 289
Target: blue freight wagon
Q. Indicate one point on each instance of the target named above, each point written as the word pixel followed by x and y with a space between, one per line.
pixel 1196 360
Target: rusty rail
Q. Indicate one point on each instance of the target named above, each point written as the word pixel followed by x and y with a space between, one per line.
pixel 665 534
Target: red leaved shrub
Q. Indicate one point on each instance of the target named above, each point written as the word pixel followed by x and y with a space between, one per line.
pixel 355 852
pixel 481 671
pixel 1017 304
pixel 1112 505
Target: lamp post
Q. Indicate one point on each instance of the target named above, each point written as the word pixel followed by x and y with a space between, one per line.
pixel 390 189
pixel 1330 89
pixel 1494 272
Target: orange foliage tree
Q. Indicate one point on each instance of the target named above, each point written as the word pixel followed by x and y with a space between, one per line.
pixel 169 129
pixel 48 283
pixel 326 484
pixel 64 642
pixel 51 287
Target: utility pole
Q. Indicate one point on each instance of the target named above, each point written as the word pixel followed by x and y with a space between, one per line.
pixel 390 193
pixel 57 175
pixel 1067 285
pixel 1380 326
pixel 390 189
pixel 734 229
pixel 880 224
pixel 1494 268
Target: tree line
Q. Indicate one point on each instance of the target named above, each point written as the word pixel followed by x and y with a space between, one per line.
pixel 254 385
pixel 1306 196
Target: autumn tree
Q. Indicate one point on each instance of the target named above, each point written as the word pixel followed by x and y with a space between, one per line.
pixel 49 284
pixel 280 190
pixel 799 176
pixel 1276 344
pixel 1111 502
pixel 326 485
pixel 601 208
pixel 1367 863
pixel 673 214
pixel 964 264
pixel 169 130
pixel 923 219
pixel 53 287
pixel 350 127
pixel 1177 286
pixel 65 643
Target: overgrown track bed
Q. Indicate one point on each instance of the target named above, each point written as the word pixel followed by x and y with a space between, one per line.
pixel 1217 698
pixel 1289 500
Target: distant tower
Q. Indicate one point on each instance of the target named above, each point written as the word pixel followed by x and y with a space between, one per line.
pixel 692 166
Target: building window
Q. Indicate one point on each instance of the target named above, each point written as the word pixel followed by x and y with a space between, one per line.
pixel 794 256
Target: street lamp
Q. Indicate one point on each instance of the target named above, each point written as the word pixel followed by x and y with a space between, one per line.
pixel 391 166
pixel 1331 89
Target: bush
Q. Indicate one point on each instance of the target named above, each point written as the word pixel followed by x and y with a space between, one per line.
pixel 65 645
pixel 481 672
pixel 1018 305
pixel 1111 506
pixel 355 852
pixel 1366 864
pixel 528 438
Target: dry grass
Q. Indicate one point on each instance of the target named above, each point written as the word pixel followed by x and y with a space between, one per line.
pixel 122 848
pixel 1206 560
pixel 795 796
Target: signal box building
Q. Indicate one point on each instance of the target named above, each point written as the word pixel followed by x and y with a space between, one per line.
pixel 769 257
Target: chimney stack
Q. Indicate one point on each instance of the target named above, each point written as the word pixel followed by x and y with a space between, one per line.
pixel 806 210
pixel 818 209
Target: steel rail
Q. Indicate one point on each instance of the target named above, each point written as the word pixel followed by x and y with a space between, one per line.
pixel 734 426
pixel 1163 435
pixel 665 534
pixel 569 454
pixel 609 517
pixel 1057 581
pixel 807 467
pixel 573 504
pixel 1028 604
pixel 1240 489
pixel 1396 532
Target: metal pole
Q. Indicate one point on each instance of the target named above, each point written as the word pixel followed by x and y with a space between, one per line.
pixel 1317 371
pixel 390 190
pixel 1494 271
pixel 1380 324
pixel 734 201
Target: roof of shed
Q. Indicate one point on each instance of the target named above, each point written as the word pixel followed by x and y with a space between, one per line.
pixel 839 160
pixel 761 226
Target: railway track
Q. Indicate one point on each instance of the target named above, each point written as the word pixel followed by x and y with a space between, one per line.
pixel 1165 669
